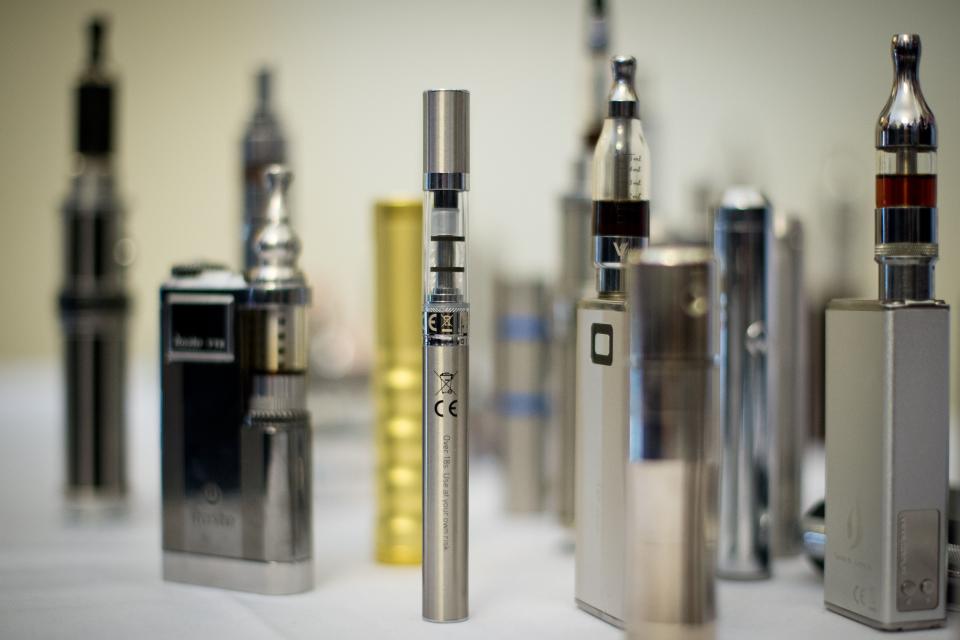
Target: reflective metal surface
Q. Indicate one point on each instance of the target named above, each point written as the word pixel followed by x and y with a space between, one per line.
pixel 674 413
pixel 446 138
pixel 906 120
pixel 743 240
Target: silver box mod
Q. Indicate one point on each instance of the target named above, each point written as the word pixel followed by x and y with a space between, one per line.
pixel 235 430
pixel 887 415
pixel 674 413
pixel 743 240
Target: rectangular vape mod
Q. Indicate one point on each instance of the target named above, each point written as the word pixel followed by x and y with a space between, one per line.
pixel 235 430
pixel 887 398
pixel 621 221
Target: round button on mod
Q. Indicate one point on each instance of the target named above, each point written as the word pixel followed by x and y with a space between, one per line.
pixel 927 586
pixel 908 587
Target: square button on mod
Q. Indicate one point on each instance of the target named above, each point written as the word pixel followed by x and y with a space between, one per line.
pixel 601 344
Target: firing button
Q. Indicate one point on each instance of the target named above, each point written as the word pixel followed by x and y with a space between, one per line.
pixel 927 586
pixel 908 587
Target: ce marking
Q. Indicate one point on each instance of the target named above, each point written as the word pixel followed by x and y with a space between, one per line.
pixel 451 408
pixel 446 322
pixel 446 388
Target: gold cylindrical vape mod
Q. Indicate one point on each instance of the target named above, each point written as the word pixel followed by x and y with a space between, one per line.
pixel 398 232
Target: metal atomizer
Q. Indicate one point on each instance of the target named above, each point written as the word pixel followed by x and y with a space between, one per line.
pixel 674 425
pixel 263 145
pixel 576 267
pixel 791 378
pixel 94 304
pixel 743 241
pixel 446 176
pixel 520 362
pixel 397 376
pixel 235 428
pixel 887 390
pixel 621 222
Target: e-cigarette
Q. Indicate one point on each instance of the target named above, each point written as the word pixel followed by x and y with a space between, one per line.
pixel 674 427
pixel 520 367
pixel 743 239
pixel 576 266
pixel 397 378
pixel 235 435
pixel 791 377
pixel 446 309
pixel 887 390
pixel 263 145
pixel 621 222
pixel 93 303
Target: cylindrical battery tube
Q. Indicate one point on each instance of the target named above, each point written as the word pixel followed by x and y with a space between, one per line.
pixel 672 473
pixel 446 171
pixel 743 238
pixel 521 374
pixel 397 381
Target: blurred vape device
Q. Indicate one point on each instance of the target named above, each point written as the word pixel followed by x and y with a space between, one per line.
pixel 521 381
pixel 621 220
pixel 791 379
pixel 576 268
pixel 94 305
pixel 887 390
pixel 446 309
pixel 743 240
pixel 263 145
pixel 398 230
pixel 814 543
pixel 235 429
pixel 674 429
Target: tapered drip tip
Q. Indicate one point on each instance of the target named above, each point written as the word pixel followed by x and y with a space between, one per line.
pixel 95 33
pixel 275 245
pixel 906 119
pixel 622 100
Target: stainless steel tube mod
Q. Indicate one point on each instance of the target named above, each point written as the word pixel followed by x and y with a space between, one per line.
pixel 791 378
pixel 621 221
pixel 446 308
pixel 743 239
pixel 520 364
pixel 235 429
pixel 674 432
pixel 263 145
pixel 94 305
pixel 576 271
pixel 887 390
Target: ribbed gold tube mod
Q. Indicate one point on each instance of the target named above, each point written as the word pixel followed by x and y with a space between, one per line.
pixel 397 373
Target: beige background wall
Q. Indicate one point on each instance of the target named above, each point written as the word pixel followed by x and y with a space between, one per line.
pixel 783 94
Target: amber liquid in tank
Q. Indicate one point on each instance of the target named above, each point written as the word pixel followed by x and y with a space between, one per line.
pixel 916 190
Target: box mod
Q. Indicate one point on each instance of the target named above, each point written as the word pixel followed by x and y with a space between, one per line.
pixel 235 430
pixel 887 415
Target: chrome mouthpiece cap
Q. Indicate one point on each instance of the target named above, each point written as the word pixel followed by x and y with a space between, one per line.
pixel 622 100
pixel 906 119
pixel 446 139
pixel 276 245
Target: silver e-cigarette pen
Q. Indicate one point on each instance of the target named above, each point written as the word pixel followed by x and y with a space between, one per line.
pixel 446 176
pixel 743 238
pixel 674 425
pixel 94 302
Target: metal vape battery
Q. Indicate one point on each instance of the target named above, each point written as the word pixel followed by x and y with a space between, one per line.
pixel 576 267
pixel 621 221
pixel 93 303
pixel 887 398
pixel 446 308
pixel 263 145
pixel 791 378
pixel 743 240
pixel 398 228
pixel 235 429
pixel 674 426
pixel 520 362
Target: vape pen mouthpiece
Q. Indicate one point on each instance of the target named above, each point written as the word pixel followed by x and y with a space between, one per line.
pixel 622 99
pixel 598 37
pixel 264 79
pixel 276 245
pixel 446 139
pixel 95 32
pixel 906 119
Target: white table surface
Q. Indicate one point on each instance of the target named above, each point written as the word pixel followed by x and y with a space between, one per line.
pixel 63 576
